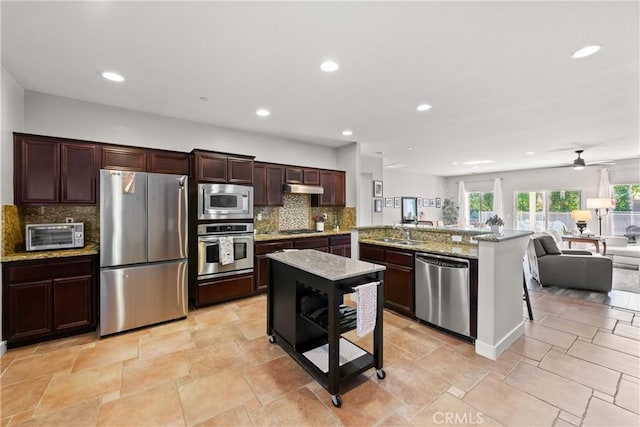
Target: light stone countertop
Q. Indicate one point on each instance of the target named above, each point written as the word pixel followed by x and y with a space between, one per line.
pixel 463 250
pixel 89 249
pixel 266 237
pixel 325 265
pixel 505 235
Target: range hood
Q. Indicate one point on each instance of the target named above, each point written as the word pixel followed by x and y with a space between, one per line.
pixel 302 189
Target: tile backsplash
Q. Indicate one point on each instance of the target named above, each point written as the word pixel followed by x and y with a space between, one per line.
pixel 297 213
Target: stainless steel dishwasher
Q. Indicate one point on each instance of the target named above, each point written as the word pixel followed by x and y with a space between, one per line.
pixel 442 291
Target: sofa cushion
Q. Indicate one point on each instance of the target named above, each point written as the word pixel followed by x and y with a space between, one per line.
pixel 538 247
pixel 549 244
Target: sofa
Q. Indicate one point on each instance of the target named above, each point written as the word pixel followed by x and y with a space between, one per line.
pixel 578 269
pixel 623 254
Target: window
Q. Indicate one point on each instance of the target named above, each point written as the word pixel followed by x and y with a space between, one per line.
pixel 546 210
pixel 480 207
pixel 627 207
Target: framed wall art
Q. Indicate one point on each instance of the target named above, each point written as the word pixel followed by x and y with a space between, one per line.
pixel 419 201
pixel 432 203
pixel 388 202
pixel 437 202
pixel 377 188
pixel 396 202
pixel 377 205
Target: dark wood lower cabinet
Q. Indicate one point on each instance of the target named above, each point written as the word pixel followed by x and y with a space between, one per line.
pixel 223 289
pixel 48 299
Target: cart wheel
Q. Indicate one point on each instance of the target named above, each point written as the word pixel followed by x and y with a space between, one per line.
pixel 380 374
pixel 336 400
pixel 272 339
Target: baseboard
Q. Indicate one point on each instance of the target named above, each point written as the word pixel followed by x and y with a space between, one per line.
pixel 494 351
pixel 3 347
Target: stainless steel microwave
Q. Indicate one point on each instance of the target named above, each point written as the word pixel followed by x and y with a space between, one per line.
pixel 225 201
pixel 39 237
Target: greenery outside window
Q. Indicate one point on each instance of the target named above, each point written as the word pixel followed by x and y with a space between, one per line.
pixel 480 207
pixel 627 207
pixel 547 210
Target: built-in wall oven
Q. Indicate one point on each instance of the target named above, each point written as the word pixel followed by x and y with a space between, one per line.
pixel 225 201
pixel 213 245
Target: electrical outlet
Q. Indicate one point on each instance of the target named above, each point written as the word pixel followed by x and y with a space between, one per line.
pixel 259 217
pixel 456 238
pixel 68 219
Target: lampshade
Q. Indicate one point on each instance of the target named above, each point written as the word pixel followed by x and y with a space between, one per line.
pixel 599 203
pixel 581 215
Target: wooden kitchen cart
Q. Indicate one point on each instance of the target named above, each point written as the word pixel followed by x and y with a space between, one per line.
pixel 305 314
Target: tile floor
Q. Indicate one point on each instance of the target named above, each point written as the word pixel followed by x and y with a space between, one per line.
pixel 578 364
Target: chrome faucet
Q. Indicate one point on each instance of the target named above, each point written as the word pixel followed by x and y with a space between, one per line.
pixel 406 232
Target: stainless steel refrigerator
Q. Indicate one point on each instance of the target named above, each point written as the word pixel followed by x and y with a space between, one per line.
pixel 143 249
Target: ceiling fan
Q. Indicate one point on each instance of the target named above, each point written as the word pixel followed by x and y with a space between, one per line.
pixel 579 162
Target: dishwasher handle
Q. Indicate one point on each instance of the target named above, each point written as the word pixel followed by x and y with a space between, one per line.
pixel 442 261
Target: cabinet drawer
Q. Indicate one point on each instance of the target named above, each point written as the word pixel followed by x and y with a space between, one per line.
pixel 267 248
pixel 225 289
pixel 399 258
pixel 313 243
pixel 26 271
pixel 340 240
pixel 373 253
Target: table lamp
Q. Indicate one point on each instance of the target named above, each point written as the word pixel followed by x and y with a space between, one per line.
pixel 599 205
pixel 581 218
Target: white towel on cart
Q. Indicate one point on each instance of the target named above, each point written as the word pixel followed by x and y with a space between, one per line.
pixel 366 303
pixel 226 250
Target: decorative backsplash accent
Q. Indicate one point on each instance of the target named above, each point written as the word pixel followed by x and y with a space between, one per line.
pixel 294 213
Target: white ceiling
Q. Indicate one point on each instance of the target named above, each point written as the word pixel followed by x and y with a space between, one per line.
pixel 498 74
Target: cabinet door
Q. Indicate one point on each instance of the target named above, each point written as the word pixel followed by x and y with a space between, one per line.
pixel 327 183
pixel 398 288
pixel 78 164
pixel 311 177
pixel 124 158
pixel 240 171
pixel 29 310
pixel 36 170
pixel 339 190
pixel 72 302
pixel 275 176
pixel 224 289
pixel 211 168
pixel 261 280
pixel 168 162
pixel 260 184
pixel 293 175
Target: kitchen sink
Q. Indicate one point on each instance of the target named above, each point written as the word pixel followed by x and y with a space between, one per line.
pixel 399 241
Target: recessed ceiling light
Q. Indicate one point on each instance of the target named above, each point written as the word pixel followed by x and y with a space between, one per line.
pixel 585 51
pixel 478 162
pixel 528 153
pixel 262 112
pixel 395 165
pixel 347 132
pixel 114 77
pixel 423 107
pixel 454 163
pixel 409 148
pixel 329 66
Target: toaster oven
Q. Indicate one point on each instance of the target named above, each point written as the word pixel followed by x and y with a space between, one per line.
pixel 39 237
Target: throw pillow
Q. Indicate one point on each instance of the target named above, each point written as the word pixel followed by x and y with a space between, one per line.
pixel 538 247
pixel 549 244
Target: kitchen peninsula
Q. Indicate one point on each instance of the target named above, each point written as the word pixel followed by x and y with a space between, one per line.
pixel 495 274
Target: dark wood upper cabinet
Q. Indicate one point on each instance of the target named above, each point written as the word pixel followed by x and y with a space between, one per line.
pixel 124 158
pixel 333 183
pixel 311 177
pixel 50 170
pixel 267 184
pixel 222 168
pixel 78 167
pixel 171 162
pixel 240 171
pixel 293 175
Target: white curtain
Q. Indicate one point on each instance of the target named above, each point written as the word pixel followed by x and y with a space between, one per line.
pixel 498 201
pixel 604 192
pixel 463 205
